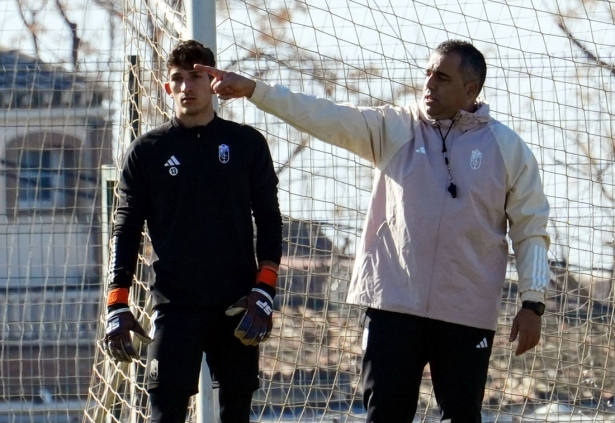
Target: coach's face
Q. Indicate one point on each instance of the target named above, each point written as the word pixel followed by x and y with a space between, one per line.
pixel 445 92
pixel 192 93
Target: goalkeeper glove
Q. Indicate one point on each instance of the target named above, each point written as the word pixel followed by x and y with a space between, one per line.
pixel 120 322
pixel 118 343
pixel 256 324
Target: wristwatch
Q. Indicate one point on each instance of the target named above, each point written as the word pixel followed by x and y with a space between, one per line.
pixel 538 308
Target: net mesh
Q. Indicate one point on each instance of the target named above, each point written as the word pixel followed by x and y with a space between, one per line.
pixel 550 78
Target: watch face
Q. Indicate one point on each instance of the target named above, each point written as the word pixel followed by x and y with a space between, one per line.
pixel 540 309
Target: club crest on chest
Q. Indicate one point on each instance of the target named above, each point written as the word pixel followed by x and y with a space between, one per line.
pixel 224 153
pixel 153 369
pixel 476 159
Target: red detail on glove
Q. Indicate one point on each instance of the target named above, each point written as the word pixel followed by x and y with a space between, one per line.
pixel 118 296
pixel 267 275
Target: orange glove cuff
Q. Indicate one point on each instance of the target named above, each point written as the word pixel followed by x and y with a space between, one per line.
pixel 118 296
pixel 267 275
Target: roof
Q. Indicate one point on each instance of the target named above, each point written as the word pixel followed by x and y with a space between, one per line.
pixel 28 82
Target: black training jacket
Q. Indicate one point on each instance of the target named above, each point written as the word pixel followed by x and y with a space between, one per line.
pixel 197 189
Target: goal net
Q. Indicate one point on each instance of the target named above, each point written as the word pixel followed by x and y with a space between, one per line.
pixel 550 78
pixel 551 73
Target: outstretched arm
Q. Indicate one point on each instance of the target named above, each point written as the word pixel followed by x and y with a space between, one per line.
pixel 373 133
pixel 228 85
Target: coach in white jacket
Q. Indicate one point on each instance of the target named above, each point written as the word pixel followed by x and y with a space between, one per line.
pixel 450 181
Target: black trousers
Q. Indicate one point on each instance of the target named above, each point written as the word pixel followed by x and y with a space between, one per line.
pixel 174 362
pixel 398 348
pixel 171 406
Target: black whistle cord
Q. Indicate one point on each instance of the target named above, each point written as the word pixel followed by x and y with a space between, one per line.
pixel 452 188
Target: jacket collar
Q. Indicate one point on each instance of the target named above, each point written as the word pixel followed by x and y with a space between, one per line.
pixel 464 120
pixel 176 123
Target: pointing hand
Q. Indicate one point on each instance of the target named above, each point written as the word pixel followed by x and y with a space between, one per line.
pixel 228 85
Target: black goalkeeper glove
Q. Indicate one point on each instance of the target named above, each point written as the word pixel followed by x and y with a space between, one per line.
pixel 118 343
pixel 256 324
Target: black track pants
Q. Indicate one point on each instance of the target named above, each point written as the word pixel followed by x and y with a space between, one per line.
pixel 171 406
pixel 398 348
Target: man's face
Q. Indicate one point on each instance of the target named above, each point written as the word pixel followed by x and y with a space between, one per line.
pixel 191 91
pixel 444 90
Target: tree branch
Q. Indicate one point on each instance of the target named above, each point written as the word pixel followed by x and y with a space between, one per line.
pixel 591 56
pixel 73 29
pixel 32 27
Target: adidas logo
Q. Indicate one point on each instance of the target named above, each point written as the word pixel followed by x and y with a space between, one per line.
pixel 172 162
pixel 420 150
pixel 483 344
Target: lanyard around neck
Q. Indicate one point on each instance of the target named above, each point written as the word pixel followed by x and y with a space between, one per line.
pixel 452 188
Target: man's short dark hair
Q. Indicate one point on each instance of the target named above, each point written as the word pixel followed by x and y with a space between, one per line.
pixel 188 53
pixel 473 66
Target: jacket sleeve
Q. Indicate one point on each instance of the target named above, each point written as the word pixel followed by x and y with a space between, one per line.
pixel 373 133
pixel 527 210
pixel 129 219
pixel 264 203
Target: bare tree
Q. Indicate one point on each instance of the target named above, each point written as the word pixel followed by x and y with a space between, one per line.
pixel 275 50
pixel 76 41
pixel 597 151
pixel 28 17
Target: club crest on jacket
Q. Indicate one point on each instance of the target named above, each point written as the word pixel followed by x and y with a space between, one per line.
pixel 153 369
pixel 476 159
pixel 223 153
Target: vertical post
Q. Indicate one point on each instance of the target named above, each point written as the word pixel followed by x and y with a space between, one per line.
pixel 136 372
pixel 201 22
pixel 201 26
pixel 134 98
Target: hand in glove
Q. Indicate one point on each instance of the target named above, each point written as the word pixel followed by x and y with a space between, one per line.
pixel 118 343
pixel 256 324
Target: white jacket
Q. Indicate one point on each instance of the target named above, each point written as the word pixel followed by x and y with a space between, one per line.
pixel 424 252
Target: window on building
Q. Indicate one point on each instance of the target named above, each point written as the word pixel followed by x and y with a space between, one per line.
pixel 41 180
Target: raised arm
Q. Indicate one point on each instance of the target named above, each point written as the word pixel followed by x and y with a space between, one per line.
pixel 373 133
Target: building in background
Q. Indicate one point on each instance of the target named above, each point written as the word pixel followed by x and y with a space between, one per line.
pixel 55 133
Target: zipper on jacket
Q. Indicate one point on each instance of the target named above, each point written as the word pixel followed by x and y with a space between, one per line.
pixel 437 243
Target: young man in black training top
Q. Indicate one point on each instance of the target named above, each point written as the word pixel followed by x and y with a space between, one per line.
pixel 197 181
